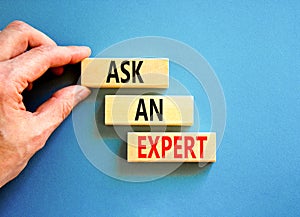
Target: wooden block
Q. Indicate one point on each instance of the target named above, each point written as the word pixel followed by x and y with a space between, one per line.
pixel 149 110
pixel 171 147
pixel 125 73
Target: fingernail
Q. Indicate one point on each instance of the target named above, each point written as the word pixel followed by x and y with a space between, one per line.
pixel 87 50
pixel 82 92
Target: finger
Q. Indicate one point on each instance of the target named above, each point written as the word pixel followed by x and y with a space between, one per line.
pixel 58 70
pixel 29 87
pixel 32 64
pixel 50 114
pixel 18 36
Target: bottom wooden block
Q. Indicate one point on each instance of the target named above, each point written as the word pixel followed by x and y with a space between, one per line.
pixel 171 147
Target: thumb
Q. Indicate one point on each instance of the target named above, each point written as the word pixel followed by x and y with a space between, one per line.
pixel 51 113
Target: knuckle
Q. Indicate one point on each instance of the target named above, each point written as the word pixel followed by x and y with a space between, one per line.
pixel 36 138
pixel 44 52
pixel 43 49
pixel 37 142
pixel 19 25
pixel 66 109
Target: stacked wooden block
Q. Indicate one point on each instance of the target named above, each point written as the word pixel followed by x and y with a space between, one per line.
pixel 148 110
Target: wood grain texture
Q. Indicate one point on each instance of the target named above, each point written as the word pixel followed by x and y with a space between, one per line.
pixel 171 147
pixel 122 110
pixel 154 73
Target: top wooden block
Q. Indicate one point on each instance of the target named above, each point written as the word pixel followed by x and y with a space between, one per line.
pixel 125 73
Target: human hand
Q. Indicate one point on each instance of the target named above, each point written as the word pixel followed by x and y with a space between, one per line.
pixel 25 55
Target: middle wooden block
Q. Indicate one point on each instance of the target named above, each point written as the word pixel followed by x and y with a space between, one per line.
pixel 149 110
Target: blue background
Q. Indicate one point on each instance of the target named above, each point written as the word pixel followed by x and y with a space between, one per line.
pixel 254 49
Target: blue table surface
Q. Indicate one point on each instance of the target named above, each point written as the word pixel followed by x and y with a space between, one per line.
pixel 254 48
